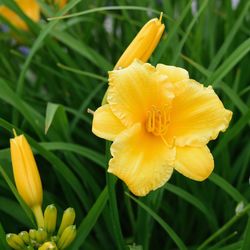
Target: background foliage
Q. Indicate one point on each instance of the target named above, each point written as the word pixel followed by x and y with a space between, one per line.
pixel 50 76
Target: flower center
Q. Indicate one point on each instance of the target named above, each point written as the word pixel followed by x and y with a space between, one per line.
pixel 158 120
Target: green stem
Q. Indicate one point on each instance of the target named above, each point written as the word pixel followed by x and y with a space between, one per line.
pixel 111 181
pixel 225 227
pixel 37 210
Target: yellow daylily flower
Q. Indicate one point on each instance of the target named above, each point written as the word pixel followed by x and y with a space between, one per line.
pixel 29 7
pixel 26 176
pixel 159 120
pixel 143 44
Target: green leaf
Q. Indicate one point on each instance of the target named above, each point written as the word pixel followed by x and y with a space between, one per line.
pixel 227 187
pixel 3 243
pixel 13 189
pixel 194 201
pixel 163 224
pixel 90 220
pixel 55 113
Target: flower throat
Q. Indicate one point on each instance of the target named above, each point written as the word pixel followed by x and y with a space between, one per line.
pixel 158 120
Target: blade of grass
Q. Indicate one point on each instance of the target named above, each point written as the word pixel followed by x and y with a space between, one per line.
pixel 172 32
pixel 227 187
pixel 187 32
pixel 111 181
pixel 194 201
pixel 180 244
pixel 3 243
pixel 246 240
pixel 13 189
pixel 229 63
pixel 225 227
pixel 216 60
pixel 100 9
pixel 80 150
pixel 90 220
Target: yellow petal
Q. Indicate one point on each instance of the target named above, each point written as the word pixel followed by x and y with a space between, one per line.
pixel 105 124
pixel 194 162
pixel 197 115
pixel 134 90
pixel 25 171
pixel 141 160
pixel 174 74
pixel 29 7
pixel 143 44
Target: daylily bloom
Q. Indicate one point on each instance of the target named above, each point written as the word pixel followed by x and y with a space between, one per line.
pixel 159 120
pixel 26 176
pixel 143 44
pixel 29 7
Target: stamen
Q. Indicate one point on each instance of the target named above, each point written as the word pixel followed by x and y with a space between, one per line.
pixel 160 18
pixel 158 120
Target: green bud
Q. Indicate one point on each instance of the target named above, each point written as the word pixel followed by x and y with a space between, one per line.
pixel 41 235
pixel 48 246
pixel 50 216
pixel 54 238
pixel 67 237
pixel 32 234
pixel 25 237
pixel 15 241
pixel 67 219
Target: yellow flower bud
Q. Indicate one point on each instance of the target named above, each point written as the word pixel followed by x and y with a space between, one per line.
pixel 32 234
pixel 143 44
pixel 50 216
pixel 41 235
pixel 26 175
pixel 29 7
pixel 25 236
pixel 15 241
pixel 67 219
pixel 48 246
pixel 67 237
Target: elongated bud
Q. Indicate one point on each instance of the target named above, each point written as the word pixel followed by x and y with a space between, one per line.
pixel 26 175
pixel 50 216
pixel 29 7
pixel 25 237
pixel 15 241
pixel 143 44
pixel 67 237
pixel 48 246
pixel 41 235
pixel 67 219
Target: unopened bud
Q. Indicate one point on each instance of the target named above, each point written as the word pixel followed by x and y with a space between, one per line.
pixel 32 234
pixel 48 246
pixel 67 219
pixel 15 241
pixel 67 237
pixel 50 216
pixel 41 235
pixel 25 237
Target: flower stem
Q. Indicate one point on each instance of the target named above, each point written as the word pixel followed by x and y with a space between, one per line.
pixel 37 210
pixel 225 227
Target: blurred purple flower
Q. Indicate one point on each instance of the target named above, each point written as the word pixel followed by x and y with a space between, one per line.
pixel 24 50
